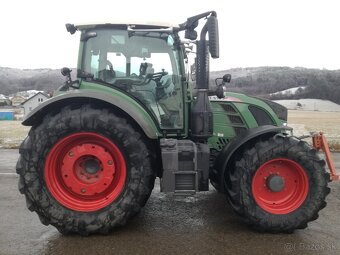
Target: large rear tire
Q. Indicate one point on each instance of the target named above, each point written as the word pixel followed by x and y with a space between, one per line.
pixel 85 170
pixel 278 185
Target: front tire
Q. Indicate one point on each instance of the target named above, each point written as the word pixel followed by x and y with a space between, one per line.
pixel 85 170
pixel 278 185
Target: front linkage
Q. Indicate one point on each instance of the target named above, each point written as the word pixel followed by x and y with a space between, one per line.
pixel 320 143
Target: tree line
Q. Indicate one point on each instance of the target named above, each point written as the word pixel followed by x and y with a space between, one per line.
pixel 263 81
pixel 258 81
pixel 15 80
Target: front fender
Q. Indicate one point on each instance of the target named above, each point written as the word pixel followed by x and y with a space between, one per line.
pixel 231 149
pixel 117 99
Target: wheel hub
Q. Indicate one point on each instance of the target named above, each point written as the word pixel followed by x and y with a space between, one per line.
pixel 275 183
pixel 91 166
pixel 85 171
pixel 280 186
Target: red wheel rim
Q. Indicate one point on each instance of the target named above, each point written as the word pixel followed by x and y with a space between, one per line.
pixel 293 192
pixel 85 172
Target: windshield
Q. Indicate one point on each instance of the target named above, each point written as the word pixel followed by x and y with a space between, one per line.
pixel 144 64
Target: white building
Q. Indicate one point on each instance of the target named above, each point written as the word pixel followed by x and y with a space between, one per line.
pixel 34 101
pixel 3 100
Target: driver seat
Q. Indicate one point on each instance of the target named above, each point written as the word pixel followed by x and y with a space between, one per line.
pixel 108 73
pixel 146 68
pixel 149 68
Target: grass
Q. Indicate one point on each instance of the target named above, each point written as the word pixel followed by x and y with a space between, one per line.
pixel 12 132
pixel 327 122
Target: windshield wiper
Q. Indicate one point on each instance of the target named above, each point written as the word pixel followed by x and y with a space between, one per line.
pixel 161 33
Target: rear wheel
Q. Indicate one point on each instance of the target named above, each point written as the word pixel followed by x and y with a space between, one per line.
pixel 85 170
pixel 278 185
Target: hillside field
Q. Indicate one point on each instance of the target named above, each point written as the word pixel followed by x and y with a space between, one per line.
pixel 305 122
pixel 12 132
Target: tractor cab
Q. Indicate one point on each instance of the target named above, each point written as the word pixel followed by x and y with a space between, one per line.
pixel 146 62
pixel 143 61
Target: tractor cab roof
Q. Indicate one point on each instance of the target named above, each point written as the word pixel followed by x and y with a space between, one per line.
pixel 139 24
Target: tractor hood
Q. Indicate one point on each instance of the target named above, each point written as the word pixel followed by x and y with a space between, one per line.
pixel 275 110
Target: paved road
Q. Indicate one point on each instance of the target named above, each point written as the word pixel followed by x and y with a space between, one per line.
pixel 203 224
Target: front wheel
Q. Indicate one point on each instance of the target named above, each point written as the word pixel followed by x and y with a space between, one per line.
pixel 85 170
pixel 279 185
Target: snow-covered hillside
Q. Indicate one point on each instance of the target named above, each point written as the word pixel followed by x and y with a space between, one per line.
pixel 310 105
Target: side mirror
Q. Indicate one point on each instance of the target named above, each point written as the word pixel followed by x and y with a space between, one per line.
pixel 226 78
pixel 65 71
pixel 213 37
pixel 190 34
pixel 220 87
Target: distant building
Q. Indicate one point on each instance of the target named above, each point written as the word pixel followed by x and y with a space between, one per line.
pixel 34 101
pixel 6 114
pixel 17 100
pixel 4 101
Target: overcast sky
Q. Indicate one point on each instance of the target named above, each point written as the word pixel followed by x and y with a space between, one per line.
pixel 303 33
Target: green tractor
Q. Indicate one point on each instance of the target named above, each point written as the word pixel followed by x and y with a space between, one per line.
pixel 90 160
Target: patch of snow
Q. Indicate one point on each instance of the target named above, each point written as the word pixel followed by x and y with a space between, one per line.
pixel 291 91
pixel 27 94
pixel 32 92
pixel 310 105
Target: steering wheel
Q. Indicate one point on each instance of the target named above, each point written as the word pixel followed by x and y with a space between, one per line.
pixel 159 75
pixel 152 76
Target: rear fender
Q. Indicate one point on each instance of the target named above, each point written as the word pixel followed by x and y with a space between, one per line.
pixel 228 153
pixel 119 100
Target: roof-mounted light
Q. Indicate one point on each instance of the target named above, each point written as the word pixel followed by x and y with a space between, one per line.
pixel 71 28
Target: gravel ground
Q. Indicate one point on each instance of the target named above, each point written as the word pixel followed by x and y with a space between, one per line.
pixel 200 224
